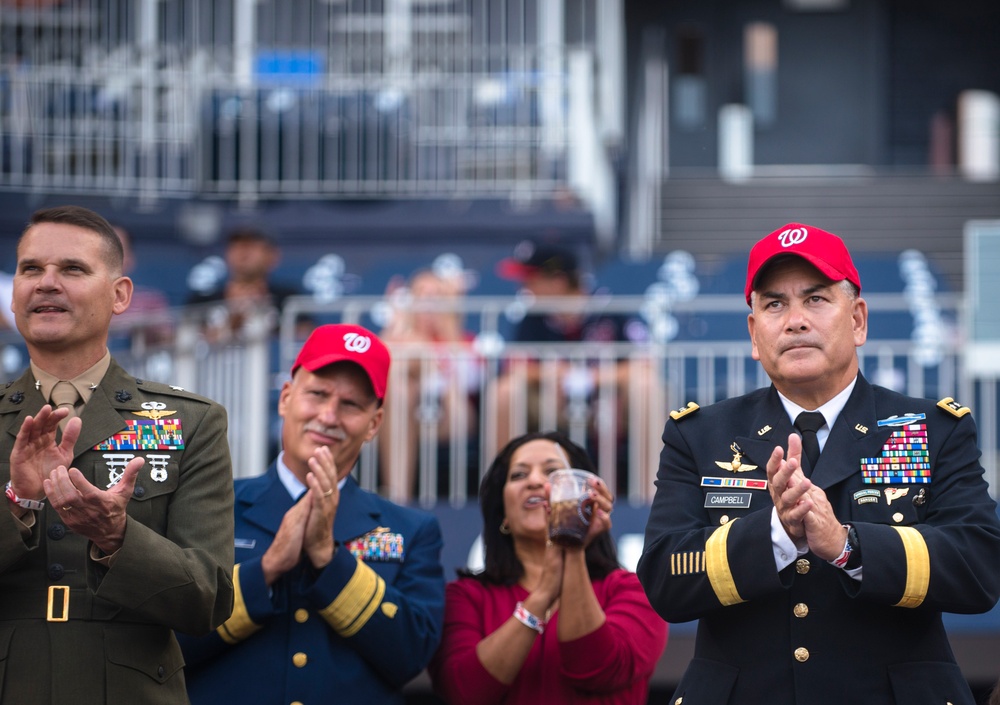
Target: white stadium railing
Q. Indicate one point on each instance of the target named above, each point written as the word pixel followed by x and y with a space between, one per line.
pixel 442 426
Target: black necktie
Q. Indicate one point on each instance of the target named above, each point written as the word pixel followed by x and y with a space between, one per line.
pixel 808 422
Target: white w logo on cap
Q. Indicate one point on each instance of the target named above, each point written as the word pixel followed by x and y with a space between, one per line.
pixel 793 236
pixel 357 343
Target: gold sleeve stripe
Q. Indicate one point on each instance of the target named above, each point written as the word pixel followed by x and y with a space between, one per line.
pixel 687 563
pixel 239 626
pixel 717 566
pixel 356 603
pixel 918 567
pixel 367 613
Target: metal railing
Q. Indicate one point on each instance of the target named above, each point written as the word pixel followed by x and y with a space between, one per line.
pixel 443 423
pixel 252 99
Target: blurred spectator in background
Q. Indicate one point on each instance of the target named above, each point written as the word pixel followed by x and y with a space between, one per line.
pixel 433 354
pixel 6 292
pixel 543 623
pixel 149 313
pixel 251 257
pixel 545 270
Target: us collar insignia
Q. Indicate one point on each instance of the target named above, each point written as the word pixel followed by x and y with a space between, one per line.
pixel 735 465
pixel 901 420
pixel 154 410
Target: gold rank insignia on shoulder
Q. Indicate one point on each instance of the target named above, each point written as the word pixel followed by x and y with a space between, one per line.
pixel 154 410
pixel 953 407
pixel 735 465
pixel 684 411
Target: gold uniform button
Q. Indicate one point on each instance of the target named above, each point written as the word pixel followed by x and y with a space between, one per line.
pixel 678 701
pixel 802 654
pixel 897 517
pixel 801 610
pixel 802 566
pixel 724 519
pixel 295 702
pixel 300 660
pixel 301 615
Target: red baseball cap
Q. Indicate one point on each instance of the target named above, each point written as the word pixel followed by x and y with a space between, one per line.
pixel 821 249
pixel 342 341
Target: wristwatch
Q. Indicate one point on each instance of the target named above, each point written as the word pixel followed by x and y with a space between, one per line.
pixel 35 504
pixel 854 561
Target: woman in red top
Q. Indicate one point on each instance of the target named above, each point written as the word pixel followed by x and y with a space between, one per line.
pixel 545 624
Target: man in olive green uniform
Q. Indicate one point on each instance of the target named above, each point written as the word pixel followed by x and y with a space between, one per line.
pixel 119 526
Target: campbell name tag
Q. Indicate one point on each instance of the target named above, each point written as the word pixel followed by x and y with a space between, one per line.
pixel 716 500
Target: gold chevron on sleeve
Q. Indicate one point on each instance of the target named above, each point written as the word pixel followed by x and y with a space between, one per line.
pixel 356 603
pixel 717 566
pixel 239 626
pixel 918 567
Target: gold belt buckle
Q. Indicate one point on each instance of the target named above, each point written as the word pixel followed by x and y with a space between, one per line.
pixel 49 616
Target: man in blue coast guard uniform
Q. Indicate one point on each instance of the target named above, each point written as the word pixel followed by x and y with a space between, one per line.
pixel 339 593
pixel 818 550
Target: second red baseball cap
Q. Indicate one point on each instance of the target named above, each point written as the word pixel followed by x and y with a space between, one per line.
pixel 346 342
pixel 823 250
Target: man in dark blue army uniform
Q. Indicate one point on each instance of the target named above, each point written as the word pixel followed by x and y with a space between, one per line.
pixel 818 550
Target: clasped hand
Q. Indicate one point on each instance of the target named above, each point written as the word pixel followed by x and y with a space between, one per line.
pixel 803 507
pixel 306 530
pixel 39 465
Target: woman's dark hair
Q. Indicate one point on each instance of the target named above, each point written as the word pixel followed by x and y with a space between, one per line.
pixel 502 565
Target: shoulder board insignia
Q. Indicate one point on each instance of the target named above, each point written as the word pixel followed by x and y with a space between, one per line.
pixel 953 407
pixel 681 413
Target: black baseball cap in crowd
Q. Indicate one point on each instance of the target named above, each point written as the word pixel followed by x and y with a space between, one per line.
pixel 533 257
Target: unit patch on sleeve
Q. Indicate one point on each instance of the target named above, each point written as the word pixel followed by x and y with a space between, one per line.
pixel 142 434
pixel 904 458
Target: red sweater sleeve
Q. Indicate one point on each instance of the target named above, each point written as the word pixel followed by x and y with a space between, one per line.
pixel 626 648
pixel 456 672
